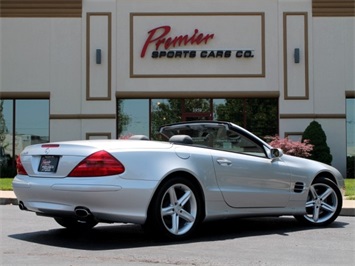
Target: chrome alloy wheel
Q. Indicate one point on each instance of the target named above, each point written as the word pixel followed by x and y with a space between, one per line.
pixel 178 209
pixel 323 203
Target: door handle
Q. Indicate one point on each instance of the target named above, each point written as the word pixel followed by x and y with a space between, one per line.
pixel 224 162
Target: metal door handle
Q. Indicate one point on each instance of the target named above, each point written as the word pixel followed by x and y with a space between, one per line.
pixel 224 162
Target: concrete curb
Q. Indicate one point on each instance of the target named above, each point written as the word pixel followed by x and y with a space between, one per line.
pixel 8 201
pixel 8 197
pixel 348 208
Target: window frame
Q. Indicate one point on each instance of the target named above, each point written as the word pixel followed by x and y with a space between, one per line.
pixel 14 98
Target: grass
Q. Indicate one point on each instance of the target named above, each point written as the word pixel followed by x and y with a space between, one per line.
pixel 6 184
pixel 350 188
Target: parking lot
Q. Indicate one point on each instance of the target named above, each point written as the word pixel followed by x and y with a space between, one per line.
pixel 27 239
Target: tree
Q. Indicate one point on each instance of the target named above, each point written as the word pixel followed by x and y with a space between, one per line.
pixel 169 111
pixel 258 115
pixel 3 128
pixel 122 119
pixel 316 136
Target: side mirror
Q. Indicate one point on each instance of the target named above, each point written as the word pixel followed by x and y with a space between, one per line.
pixel 276 153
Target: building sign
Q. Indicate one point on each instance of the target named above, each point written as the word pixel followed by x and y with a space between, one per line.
pixel 159 37
pixel 211 45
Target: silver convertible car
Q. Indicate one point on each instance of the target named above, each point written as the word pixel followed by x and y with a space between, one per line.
pixel 205 170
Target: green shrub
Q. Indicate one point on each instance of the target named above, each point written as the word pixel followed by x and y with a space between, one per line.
pixel 316 136
pixel 350 167
pixel 7 171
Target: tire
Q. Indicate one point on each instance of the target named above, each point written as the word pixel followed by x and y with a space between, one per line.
pixel 175 211
pixel 324 203
pixel 75 224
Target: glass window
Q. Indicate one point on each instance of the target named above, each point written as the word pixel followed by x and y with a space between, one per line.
pixel 197 105
pixel 217 136
pixel 133 117
pixel 164 111
pixel 350 129
pixel 235 142
pixel 6 133
pixel 258 115
pixel 22 123
pixel 32 118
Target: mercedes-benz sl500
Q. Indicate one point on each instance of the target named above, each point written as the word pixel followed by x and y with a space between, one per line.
pixel 205 170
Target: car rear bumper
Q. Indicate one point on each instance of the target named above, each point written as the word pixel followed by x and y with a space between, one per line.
pixel 110 199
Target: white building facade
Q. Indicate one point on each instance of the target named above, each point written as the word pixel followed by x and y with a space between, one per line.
pixel 97 62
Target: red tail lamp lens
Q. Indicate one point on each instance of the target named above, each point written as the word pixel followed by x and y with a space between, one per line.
pixel 19 167
pixel 100 163
pixel 50 145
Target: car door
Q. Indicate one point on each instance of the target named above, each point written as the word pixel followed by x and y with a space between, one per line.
pixel 248 178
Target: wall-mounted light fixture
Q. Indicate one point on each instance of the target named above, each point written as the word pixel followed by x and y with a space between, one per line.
pixel 296 55
pixel 98 56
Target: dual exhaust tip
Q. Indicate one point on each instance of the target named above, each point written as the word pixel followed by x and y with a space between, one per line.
pixel 80 212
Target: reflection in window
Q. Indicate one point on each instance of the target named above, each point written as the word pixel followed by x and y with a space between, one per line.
pixel 163 112
pixel 167 111
pixel 23 123
pixel 32 118
pixel 350 130
pixel 133 117
pixel 258 115
pixel 6 127
pixel 197 105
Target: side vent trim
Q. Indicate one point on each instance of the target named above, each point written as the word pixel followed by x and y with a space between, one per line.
pixel 299 186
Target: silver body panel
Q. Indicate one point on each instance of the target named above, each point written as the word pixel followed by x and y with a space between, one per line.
pixel 232 184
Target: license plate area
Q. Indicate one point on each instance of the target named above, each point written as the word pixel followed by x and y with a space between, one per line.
pixel 48 164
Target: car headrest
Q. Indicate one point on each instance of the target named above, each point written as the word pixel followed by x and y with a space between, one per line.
pixel 181 139
pixel 139 137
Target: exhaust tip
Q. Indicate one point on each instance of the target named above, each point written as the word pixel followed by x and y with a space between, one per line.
pixel 82 212
pixel 22 206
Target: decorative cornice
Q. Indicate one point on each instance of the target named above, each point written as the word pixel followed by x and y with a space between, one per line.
pixel 333 8
pixel 82 116
pixel 25 95
pixel 196 94
pixel 40 8
pixel 350 94
pixel 312 116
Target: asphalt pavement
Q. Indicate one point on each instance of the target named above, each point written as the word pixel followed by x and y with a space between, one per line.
pixel 8 197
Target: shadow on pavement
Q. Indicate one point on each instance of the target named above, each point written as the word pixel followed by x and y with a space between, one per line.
pixel 122 236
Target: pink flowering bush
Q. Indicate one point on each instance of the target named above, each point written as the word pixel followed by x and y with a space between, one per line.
pixel 290 147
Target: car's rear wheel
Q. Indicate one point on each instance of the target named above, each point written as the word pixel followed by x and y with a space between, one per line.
pixel 175 211
pixel 75 224
pixel 323 203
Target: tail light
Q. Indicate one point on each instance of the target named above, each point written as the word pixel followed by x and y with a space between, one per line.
pixel 50 145
pixel 19 166
pixel 100 163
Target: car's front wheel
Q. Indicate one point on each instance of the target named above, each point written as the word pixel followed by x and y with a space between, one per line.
pixel 324 203
pixel 175 211
pixel 75 224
